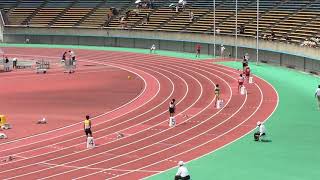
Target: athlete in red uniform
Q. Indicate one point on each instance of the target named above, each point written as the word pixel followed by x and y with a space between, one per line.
pixel 240 82
pixel 198 48
pixel 247 72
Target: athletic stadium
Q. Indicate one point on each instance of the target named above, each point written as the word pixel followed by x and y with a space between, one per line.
pixel 159 89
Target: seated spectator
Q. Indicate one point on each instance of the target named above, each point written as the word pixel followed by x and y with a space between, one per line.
pixel 217 30
pixel 184 3
pixel 287 38
pixel 191 16
pixel 173 6
pixel 272 36
pixel 242 29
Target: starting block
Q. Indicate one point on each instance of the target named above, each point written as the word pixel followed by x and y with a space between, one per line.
pixel 44 71
pixel 219 104
pixel 42 121
pixel 90 143
pixel 243 90
pixel 3 136
pixel 6 126
pixel 172 121
pixel 10 158
pixel 120 135
pixel 250 80
pixel 42 66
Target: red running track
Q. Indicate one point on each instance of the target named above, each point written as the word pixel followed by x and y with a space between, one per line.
pixel 62 99
pixel 149 145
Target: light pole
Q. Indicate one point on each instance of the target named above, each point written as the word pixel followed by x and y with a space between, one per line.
pixel 236 42
pixel 214 28
pixel 257 32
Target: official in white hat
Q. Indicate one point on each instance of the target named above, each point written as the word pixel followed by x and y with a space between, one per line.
pixel 261 131
pixel 182 173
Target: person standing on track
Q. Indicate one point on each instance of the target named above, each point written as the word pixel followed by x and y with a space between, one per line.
pixel 87 126
pixel 240 82
pixel 6 64
pixel 247 72
pixel 217 93
pixel 244 62
pixel 198 49
pixel 317 95
pixel 183 173
pixel 172 107
pixel 64 57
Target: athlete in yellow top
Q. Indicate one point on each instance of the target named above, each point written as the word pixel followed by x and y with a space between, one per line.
pixel 87 126
pixel 217 93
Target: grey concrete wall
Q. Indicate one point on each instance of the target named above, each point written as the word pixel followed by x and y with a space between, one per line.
pixel 276 53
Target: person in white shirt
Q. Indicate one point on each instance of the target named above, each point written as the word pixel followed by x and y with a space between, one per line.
pixel 222 48
pixel 317 95
pixel 153 49
pixel 261 131
pixel 183 173
pixel 191 16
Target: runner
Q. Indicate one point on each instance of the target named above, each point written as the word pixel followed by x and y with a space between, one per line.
pixel 172 107
pixel 240 82
pixel 217 93
pixel 247 72
pixel 87 126
pixel 244 62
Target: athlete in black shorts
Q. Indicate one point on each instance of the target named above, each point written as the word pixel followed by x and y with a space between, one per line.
pixel 87 126
pixel 172 107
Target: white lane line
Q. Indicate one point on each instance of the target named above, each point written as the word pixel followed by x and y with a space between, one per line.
pixel 153 143
pixel 108 126
pixel 222 147
pixel 140 132
pixel 101 130
pixel 122 138
pixel 28 137
pixel 79 122
pixel 166 139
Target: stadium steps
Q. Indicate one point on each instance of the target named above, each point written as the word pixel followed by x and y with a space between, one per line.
pixel 98 18
pixel 62 13
pixel 143 19
pixel 202 4
pixel 122 6
pixel 282 27
pixel 18 15
pixel 35 12
pixel 91 12
pixel 183 19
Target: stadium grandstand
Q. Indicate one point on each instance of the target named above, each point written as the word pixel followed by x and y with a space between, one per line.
pixel 283 20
